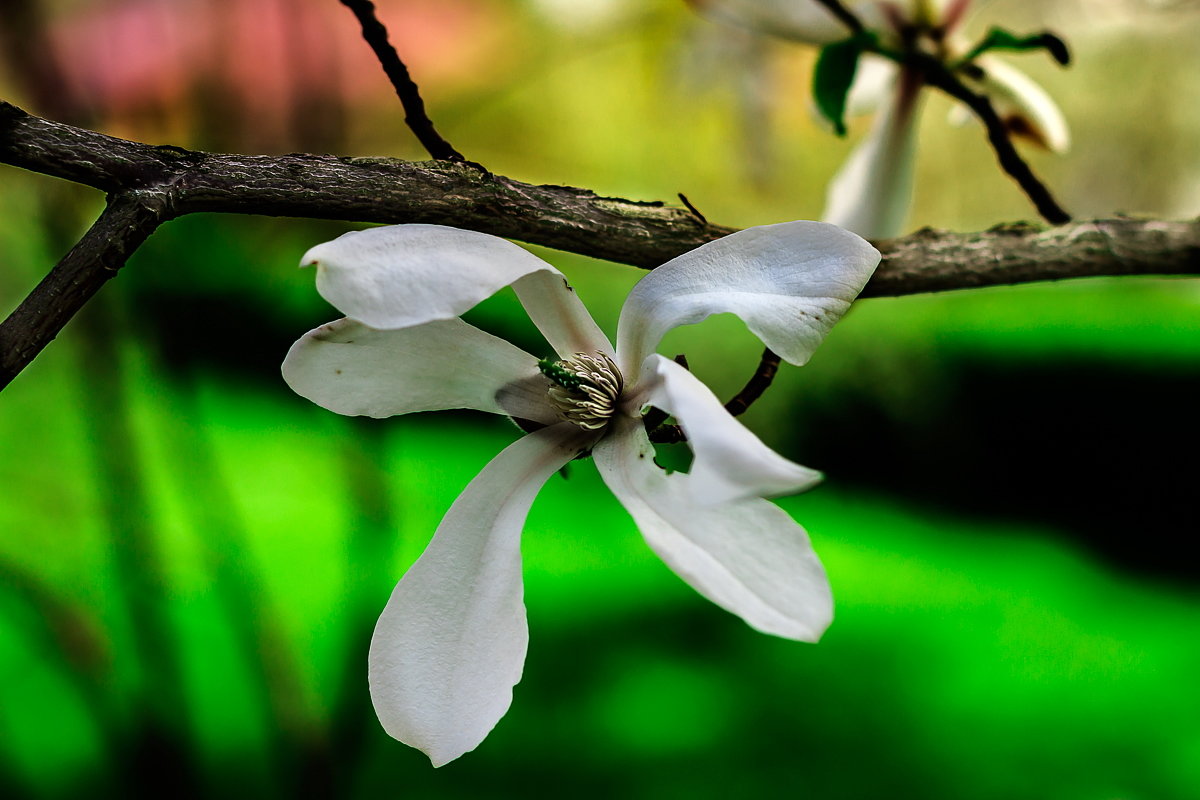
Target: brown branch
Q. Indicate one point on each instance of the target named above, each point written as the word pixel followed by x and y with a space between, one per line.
pixel 126 222
pixel 376 35
pixel 758 383
pixel 149 185
pixel 938 261
pixel 844 15
pixel 937 75
pixel 644 234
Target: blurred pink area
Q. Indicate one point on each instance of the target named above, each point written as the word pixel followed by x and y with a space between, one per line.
pixel 138 65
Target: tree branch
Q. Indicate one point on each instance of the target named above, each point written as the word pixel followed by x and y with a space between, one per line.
pixel 759 382
pixel 148 185
pixel 937 75
pixel 126 222
pixel 376 35
pixel 844 15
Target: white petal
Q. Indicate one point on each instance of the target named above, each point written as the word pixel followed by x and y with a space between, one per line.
pixel 451 643
pixel 560 315
pixel 749 557
pixel 352 369
pixel 730 463
pixel 1024 106
pixel 402 275
pixel 789 282
pixel 872 191
pixel 798 20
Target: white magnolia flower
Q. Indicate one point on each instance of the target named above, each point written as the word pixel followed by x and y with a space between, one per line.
pixel 451 642
pixel 872 192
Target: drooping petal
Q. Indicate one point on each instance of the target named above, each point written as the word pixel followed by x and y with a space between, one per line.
pixel 450 644
pixel 1025 107
pixel 749 557
pixel 789 282
pixel 872 191
pixel 798 20
pixel 352 369
pixel 560 315
pixel 730 462
pixel 403 275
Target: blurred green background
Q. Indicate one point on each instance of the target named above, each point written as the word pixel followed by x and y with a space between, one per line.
pixel 192 557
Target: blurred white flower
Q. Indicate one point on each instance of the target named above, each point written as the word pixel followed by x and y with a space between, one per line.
pixel 872 192
pixel 451 642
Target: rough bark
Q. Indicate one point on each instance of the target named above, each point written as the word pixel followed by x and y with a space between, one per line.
pixel 148 185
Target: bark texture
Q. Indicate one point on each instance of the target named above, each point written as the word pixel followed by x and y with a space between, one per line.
pixel 148 185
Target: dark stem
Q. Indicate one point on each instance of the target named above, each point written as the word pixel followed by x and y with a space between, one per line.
pixel 667 434
pixel 845 15
pixel 936 74
pixel 695 211
pixel 758 383
pixel 415 117
pixel 126 222
pixel 768 366
pixel 655 417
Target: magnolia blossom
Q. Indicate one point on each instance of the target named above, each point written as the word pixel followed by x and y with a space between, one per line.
pixel 871 193
pixel 450 644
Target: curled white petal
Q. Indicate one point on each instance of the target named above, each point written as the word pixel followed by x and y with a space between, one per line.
pixel 871 193
pixel 749 557
pixel 1024 106
pixel 352 369
pixel 403 275
pixel 450 644
pixel 789 282
pixel 730 463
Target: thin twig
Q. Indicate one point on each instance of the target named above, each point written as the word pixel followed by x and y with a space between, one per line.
pixel 758 383
pixel 655 417
pixel 845 15
pixel 415 117
pixel 668 434
pixel 936 75
pixel 126 222
pixel 695 211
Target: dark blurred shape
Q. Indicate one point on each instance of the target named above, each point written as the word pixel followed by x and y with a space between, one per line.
pixel 1102 451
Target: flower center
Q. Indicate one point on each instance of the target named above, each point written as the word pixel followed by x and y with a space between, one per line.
pixel 584 388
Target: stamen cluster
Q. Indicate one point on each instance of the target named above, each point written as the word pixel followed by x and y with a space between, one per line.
pixel 584 388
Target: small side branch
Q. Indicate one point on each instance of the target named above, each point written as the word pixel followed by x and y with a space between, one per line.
pixel 1010 160
pixel 758 383
pixel 126 222
pixel 415 117
pixel 844 15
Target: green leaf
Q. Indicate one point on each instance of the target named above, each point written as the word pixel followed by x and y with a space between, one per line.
pixel 833 76
pixel 1000 39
